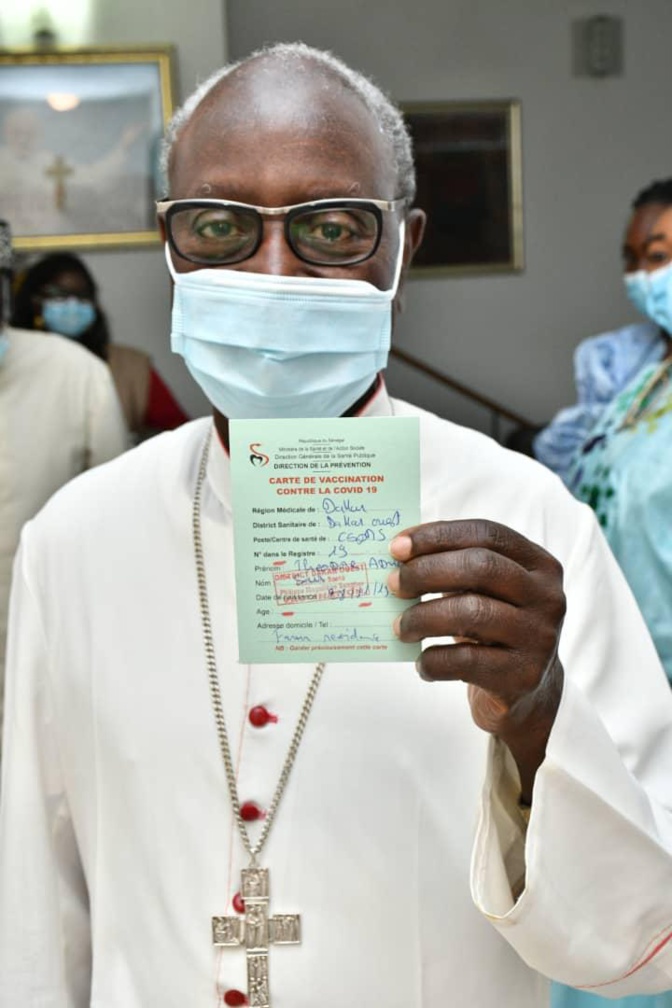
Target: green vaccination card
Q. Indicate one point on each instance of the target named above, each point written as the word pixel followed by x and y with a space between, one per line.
pixel 316 504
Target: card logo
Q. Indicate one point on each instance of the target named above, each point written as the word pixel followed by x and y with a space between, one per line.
pixel 258 458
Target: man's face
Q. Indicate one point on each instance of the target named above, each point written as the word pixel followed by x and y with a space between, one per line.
pixel 255 143
pixel 648 239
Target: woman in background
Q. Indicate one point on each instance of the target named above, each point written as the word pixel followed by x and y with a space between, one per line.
pixel 58 294
pixel 624 469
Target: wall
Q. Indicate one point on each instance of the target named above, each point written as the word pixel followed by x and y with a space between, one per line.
pixel 134 284
pixel 588 146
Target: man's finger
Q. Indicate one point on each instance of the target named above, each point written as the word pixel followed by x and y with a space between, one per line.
pixel 446 536
pixel 479 617
pixel 475 569
pixel 485 667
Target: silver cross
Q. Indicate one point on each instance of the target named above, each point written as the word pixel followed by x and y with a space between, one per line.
pixel 255 932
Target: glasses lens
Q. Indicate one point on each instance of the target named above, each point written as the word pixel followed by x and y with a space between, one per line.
pixel 214 234
pixel 335 236
pixel 52 292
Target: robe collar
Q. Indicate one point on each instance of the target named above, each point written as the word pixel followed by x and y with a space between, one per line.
pixel 219 463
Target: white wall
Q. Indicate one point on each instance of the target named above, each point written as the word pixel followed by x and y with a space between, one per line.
pixel 588 146
pixel 134 284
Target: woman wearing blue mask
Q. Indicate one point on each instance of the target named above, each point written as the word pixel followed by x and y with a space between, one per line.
pixel 59 295
pixel 624 469
pixel 604 364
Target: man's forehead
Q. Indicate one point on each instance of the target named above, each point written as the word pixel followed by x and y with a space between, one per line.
pixel 283 119
pixel 293 85
pixel 267 95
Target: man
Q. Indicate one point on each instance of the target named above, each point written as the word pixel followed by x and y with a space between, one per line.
pixel 59 415
pixel 134 733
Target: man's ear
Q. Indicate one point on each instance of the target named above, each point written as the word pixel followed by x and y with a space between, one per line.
pixel 415 229
pixel 162 228
pixel 413 234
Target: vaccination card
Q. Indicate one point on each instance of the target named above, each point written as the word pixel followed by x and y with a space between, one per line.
pixel 316 504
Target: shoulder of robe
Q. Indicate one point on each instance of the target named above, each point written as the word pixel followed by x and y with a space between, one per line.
pixel 450 449
pixel 124 493
pixel 61 356
pixel 467 475
pixel 635 335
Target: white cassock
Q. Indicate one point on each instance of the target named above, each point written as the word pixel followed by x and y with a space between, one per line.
pixel 118 843
pixel 59 415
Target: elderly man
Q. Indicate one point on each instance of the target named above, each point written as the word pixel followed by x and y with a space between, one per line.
pixel 145 765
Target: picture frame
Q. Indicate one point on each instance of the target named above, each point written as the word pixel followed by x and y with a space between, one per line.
pixel 468 158
pixel 80 133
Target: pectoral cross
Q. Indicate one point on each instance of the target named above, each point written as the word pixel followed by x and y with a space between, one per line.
pixel 59 171
pixel 255 932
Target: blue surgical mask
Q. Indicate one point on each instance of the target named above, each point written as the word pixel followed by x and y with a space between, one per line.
pixel 651 294
pixel 4 344
pixel 67 316
pixel 263 346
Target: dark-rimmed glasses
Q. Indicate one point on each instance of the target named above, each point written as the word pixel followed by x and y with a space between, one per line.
pixel 328 232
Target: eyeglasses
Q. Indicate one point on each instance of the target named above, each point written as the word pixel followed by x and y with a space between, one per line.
pixel 52 292
pixel 328 232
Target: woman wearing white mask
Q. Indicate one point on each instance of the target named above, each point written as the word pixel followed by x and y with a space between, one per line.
pixel 58 294
pixel 624 469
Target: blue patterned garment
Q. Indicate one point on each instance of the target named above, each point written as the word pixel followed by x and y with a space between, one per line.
pixel 567 997
pixel 603 365
pixel 624 472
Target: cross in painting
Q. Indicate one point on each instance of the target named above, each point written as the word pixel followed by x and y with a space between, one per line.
pixel 59 171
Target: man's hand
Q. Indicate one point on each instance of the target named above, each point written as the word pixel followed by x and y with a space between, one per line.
pixel 502 601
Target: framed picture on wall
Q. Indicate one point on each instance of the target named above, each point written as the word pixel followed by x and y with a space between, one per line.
pixel 468 160
pixel 80 133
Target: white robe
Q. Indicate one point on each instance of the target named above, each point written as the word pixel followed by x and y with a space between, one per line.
pixel 59 415
pixel 117 838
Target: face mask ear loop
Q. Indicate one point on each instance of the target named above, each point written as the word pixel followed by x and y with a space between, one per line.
pixel 400 260
pixel 169 260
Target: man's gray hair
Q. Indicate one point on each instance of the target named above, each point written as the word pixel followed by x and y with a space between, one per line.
pixel 388 117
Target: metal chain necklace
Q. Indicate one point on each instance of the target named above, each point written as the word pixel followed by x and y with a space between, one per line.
pixel 256 930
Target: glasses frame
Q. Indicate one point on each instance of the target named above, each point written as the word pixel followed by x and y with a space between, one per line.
pixel 166 210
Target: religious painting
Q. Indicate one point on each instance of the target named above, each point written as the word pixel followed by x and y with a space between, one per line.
pixel 80 134
pixel 468 159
